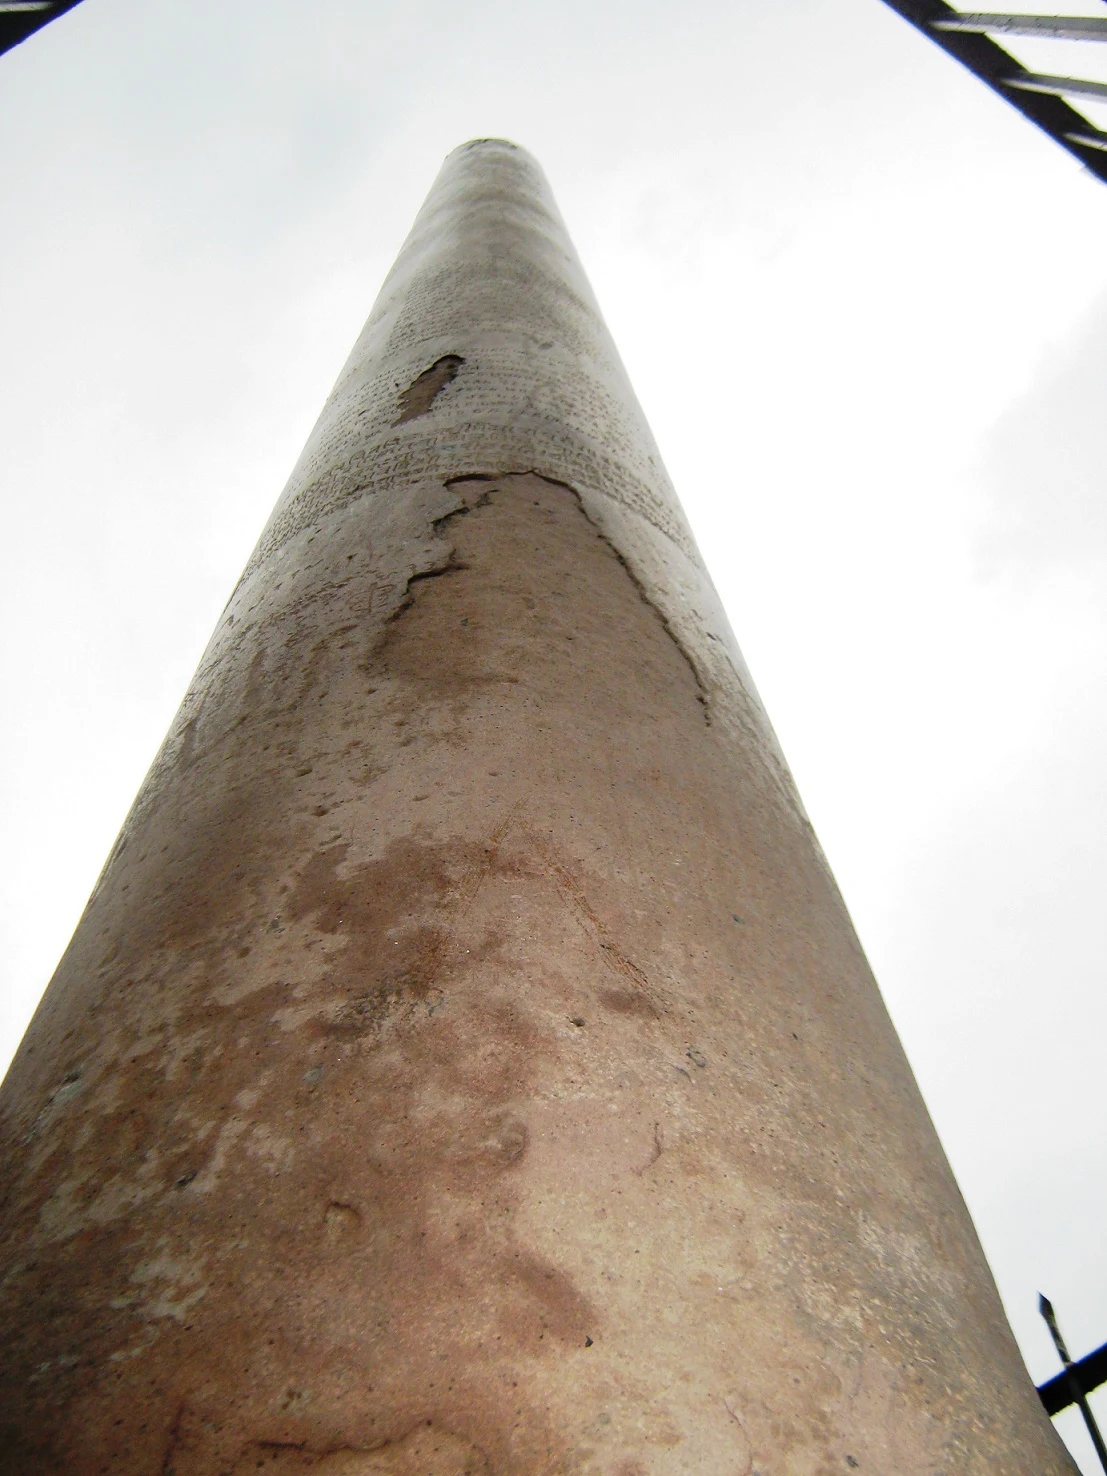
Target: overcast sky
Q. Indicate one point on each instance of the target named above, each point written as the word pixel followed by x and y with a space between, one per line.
pixel 864 305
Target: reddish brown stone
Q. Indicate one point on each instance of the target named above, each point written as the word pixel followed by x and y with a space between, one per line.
pixel 465 1063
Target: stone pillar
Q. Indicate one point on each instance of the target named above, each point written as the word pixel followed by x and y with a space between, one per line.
pixel 465 1063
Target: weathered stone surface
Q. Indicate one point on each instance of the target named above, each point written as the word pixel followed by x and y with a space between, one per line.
pixel 465 1063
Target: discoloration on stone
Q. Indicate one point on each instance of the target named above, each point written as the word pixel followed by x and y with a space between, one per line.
pixel 421 393
pixel 361 1123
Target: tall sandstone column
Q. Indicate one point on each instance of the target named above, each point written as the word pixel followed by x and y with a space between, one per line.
pixel 465 1063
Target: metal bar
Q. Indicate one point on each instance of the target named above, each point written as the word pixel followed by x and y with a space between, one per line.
pixel 11 7
pixel 999 70
pixel 1089 140
pixel 1091 1371
pixel 1059 86
pixel 1045 1307
pixel 1062 27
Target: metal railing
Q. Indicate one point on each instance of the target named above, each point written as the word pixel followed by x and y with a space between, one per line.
pixel 21 18
pixel 1075 1381
pixel 968 36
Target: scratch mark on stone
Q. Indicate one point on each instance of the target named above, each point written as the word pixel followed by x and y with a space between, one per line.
pixel 655 1152
pixel 167 1466
pixel 572 893
pixel 745 1437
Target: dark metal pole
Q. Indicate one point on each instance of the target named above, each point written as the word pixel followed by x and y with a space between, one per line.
pixel 1045 1307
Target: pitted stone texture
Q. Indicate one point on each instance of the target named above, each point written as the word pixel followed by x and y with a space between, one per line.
pixel 465 1063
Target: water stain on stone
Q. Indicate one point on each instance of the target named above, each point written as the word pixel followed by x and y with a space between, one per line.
pixel 387 915
pixel 628 1002
pixel 552 1304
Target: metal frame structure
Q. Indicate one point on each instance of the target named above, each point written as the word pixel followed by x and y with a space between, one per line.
pixel 968 37
pixel 1075 1381
pixel 21 18
pixel 1089 1372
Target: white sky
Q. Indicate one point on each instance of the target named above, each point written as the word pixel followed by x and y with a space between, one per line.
pixel 864 304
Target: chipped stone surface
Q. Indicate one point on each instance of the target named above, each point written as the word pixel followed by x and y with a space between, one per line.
pixel 465 1063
